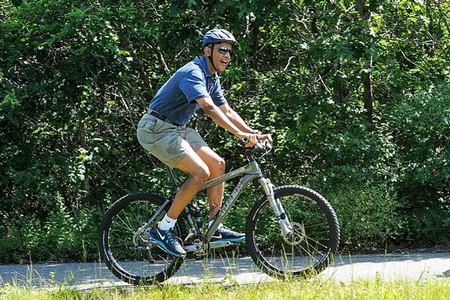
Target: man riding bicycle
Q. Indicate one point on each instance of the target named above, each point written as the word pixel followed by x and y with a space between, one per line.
pixel 163 132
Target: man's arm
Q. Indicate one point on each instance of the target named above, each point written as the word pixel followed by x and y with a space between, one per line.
pixel 221 119
pixel 235 118
pixel 230 120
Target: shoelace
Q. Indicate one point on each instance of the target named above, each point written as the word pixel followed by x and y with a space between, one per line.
pixel 171 236
pixel 225 229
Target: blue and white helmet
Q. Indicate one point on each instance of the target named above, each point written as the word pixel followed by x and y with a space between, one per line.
pixel 217 36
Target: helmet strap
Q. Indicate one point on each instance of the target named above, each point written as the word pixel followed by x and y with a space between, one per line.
pixel 210 57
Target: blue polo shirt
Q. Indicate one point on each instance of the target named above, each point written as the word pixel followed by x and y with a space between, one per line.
pixel 176 98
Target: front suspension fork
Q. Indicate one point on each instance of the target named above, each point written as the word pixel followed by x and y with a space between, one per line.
pixel 277 207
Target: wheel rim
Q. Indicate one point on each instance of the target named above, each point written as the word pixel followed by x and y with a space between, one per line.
pixel 306 250
pixel 132 256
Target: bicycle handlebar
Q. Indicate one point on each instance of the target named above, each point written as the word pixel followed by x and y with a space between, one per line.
pixel 263 146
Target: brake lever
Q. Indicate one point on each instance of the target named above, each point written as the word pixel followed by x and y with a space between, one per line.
pixel 264 145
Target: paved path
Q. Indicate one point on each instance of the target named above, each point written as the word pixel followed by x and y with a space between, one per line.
pixel 416 266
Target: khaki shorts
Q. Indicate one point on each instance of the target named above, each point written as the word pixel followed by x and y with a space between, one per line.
pixel 167 142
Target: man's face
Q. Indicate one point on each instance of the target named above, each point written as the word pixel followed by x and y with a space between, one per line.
pixel 221 56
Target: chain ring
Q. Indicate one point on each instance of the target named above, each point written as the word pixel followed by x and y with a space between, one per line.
pixel 199 238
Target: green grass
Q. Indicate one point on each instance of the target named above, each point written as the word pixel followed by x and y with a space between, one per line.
pixel 297 289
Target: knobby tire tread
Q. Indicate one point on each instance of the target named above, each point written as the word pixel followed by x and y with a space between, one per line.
pixel 119 272
pixel 325 207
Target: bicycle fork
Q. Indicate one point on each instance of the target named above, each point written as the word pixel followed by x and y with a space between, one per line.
pixel 277 207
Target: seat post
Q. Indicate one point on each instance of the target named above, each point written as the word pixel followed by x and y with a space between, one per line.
pixel 172 178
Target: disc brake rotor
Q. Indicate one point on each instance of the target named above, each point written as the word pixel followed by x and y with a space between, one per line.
pixel 297 236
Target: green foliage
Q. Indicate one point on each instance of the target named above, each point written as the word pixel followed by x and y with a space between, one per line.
pixel 369 215
pixel 63 235
pixel 355 95
pixel 421 130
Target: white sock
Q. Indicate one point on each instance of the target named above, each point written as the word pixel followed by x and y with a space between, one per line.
pixel 167 223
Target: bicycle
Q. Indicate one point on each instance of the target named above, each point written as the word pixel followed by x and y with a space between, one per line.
pixel 290 231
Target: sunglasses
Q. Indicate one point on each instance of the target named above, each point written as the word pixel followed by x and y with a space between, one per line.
pixel 224 50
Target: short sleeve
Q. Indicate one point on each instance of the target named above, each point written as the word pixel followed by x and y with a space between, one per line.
pixel 193 85
pixel 217 94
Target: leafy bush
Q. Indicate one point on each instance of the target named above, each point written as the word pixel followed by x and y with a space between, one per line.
pixel 64 235
pixel 369 215
pixel 421 131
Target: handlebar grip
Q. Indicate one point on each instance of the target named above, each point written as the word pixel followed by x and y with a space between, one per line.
pixel 264 145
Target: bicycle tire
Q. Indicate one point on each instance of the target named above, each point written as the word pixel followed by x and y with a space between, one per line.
pixel 132 258
pixel 314 242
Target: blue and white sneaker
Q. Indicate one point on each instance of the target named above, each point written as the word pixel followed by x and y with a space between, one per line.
pixel 225 234
pixel 167 240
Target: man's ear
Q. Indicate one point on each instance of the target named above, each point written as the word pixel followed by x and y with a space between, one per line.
pixel 207 51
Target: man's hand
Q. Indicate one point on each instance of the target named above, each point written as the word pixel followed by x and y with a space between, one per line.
pixel 252 139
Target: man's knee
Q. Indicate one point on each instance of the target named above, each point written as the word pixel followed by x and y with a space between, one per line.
pixel 220 164
pixel 201 174
pixel 215 163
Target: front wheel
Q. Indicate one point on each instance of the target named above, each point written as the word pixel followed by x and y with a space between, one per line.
pixel 127 250
pixel 314 239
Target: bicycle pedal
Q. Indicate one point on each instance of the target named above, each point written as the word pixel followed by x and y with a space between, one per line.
pixel 220 244
pixel 193 247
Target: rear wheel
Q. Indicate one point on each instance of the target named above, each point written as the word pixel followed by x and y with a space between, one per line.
pixel 308 249
pixel 130 254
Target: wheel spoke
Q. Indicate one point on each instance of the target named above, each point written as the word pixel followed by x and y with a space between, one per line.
pixel 315 234
pixel 129 255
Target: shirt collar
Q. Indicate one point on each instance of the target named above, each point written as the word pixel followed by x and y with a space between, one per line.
pixel 204 65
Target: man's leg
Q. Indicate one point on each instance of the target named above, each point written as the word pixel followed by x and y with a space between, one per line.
pixel 198 173
pixel 163 234
pixel 216 166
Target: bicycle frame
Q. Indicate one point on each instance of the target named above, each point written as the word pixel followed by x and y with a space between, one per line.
pixel 282 244
pixel 248 173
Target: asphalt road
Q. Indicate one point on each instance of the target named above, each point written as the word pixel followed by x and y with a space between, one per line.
pixel 415 266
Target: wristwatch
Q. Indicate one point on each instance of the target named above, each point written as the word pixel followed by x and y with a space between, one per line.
pixel 245 139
